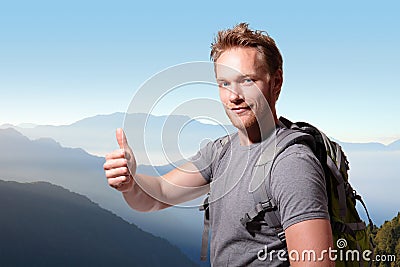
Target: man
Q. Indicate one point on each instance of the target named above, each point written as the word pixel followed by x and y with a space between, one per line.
pixel 248 69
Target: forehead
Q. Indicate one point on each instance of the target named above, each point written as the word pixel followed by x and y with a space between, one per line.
pixel 239 61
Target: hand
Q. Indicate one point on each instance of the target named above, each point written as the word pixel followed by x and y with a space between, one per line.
pixel 120 165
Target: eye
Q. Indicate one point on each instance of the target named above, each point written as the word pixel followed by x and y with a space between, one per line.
pixel 248 81
pixel 223 84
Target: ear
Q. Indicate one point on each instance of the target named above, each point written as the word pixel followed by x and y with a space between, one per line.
pixel 277 83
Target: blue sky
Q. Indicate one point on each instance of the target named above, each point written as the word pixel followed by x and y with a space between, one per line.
pixel 61 61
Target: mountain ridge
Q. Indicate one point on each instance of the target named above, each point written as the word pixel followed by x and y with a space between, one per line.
pixel 53 226
pixel 95 134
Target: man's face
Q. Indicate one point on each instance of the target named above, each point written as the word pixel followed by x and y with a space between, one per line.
pixel 244 87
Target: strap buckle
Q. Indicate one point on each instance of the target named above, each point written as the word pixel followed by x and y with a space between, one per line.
pixel 206 204
pixel 203 207
pixel 282 236
pixel 267 205
pixel 246 219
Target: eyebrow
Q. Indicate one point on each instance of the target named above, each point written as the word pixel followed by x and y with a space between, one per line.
pixel 251 75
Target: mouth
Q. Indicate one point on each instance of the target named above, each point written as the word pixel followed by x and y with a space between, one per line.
pixel 240 110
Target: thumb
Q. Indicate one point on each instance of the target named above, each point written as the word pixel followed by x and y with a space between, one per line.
pixel 121 138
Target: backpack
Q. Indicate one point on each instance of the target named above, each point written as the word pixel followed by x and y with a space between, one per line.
pixel 351 236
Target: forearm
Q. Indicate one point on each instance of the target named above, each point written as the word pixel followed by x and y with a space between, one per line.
pixel 150 193
pixel 138 199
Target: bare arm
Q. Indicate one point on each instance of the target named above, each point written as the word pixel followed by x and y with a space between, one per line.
pixel 154 193
pixel 309 237
pixel 148 193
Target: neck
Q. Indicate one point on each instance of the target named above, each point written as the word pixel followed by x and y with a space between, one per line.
pixel 256 133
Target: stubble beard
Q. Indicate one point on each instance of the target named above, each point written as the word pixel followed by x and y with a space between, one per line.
pixel 242 122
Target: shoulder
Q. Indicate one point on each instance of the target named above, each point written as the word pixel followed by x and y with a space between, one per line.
pixel 208 156
pixel 298 156
pixel 295 164
pixel 212 147
pixel 298 185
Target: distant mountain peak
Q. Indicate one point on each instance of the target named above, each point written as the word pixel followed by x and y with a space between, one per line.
pixel 11 132
pixel 7 125
pixel 10 138
pixel 395 145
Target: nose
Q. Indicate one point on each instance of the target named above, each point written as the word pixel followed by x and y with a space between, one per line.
pixel 235 93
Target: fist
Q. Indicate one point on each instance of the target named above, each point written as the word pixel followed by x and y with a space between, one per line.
pixel 120 165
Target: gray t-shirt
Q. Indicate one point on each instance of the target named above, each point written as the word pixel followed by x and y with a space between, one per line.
pixel 297 186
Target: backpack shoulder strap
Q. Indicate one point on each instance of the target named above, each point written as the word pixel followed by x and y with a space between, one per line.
pixel 222 145
pixel 261 177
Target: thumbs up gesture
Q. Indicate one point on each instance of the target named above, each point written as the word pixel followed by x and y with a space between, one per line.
pixel 120 165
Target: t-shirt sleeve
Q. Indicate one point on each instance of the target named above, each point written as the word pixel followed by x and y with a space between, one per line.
pixel 298 186
pixel 204 160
